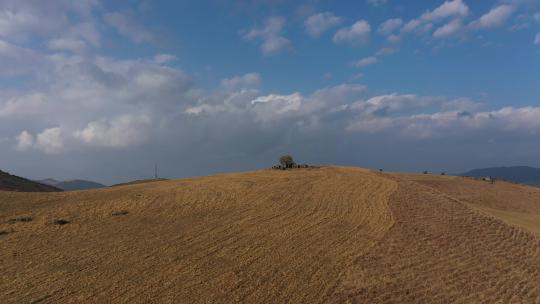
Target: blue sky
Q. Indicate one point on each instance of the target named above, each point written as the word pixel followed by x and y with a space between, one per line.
pixel 102 90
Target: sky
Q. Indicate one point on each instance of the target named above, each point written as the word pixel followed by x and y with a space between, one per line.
pixel 103 90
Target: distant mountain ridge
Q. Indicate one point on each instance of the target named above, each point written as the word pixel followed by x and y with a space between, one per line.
pixel 72 185
pixel 9 182
pixel 518 174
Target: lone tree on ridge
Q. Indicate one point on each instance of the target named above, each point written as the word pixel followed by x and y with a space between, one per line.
pixel 286 161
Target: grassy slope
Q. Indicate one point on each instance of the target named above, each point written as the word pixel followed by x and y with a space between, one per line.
pixel 303 236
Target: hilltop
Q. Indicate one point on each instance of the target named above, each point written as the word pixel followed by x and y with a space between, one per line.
pixel 518 174
pixel 314 235
pixel 10 182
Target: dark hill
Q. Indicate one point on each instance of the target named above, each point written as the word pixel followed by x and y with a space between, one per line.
pixel 72 185
pixel 10 182
pixel 518 174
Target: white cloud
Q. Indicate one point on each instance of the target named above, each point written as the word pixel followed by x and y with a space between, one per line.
pixel 393 39
pixel 275 44
pixel 494 18
pixel 277 107
pixel 270 34
pixel 17 60
pixel 384 105
pixel 273 106
pixel 119 132
pixel 96 97
pixel 411 25
pixel 453 8
pixel 537 17
pixel 126 25
pixel 50 140
pixel 25 141
pixel 164 58
pixel 377 2
pixel 389 26
pixel 450 8
pixel 60 44
pixel 22 105
pixel 451 28
pixel 340 93
pixel 537 39
pixel 366 61
pixel 357 33
pixel 417 117
pixel 320 23
pixel 249 80
pixel 386 51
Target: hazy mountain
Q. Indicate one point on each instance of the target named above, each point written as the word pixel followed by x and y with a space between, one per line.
pixel 10 182
pixel 72 185
pixel 517 174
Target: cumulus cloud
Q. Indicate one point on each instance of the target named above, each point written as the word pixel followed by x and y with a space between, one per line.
pixel 270 35
pixel 249 80
pixel 452 8
pixel 424 23
pixel 365 61
pixel 25 141
pixel 126 25
pixel 386 51
pixel 17 60
pixel 275 106
pixel 393 39
pixel 66 44
pixel 94 101
pixel 20 20
pixel 451 28
pixel 377 2
pixel 164 58
pixel 389 26
pixel 50 140
pixel 320 23
pixel 494 18
pixel 356 33
pixel 411 116
pixel 120 132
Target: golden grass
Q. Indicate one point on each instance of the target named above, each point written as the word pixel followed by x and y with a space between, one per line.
pixel 263 237
pixel 328 235
pixel 515 204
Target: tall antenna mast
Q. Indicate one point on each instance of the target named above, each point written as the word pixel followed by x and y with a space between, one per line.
pixel 155 171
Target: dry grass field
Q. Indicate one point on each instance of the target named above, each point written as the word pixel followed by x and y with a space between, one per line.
pixel 328 235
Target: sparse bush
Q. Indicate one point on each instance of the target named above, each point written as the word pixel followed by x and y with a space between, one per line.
pixel 22 219
pixel 425 172
pixel 122 212
pixel 286 161
pixel 60 222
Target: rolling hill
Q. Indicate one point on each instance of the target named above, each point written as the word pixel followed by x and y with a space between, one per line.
pixel 10 182
pixel 326 235
pixel 518 174
pixel 72 185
